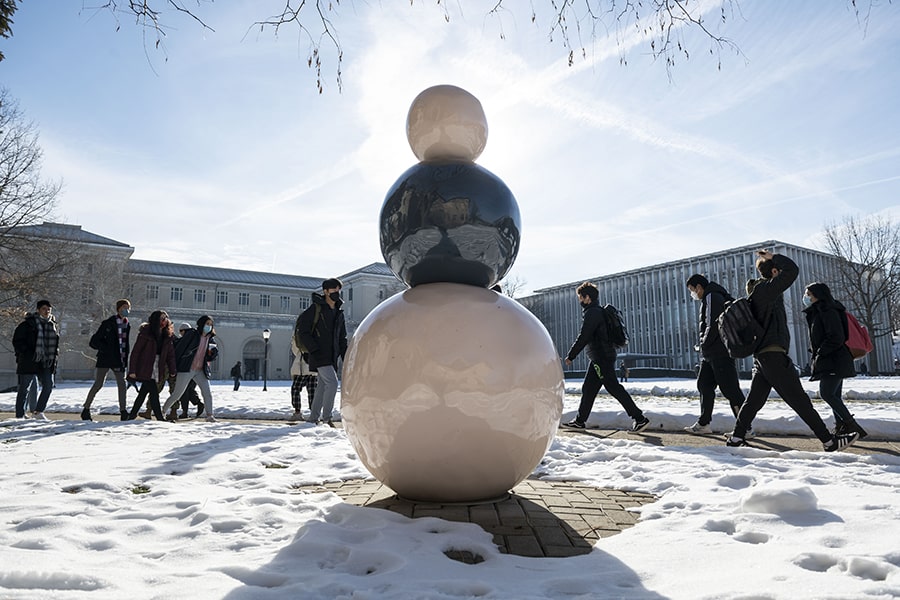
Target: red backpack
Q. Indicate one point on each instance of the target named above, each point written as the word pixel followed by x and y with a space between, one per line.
pixel 858 339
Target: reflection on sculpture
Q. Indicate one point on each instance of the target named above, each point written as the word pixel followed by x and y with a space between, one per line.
pixel 451 392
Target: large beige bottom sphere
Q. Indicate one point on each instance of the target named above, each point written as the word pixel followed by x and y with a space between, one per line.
pixel 451 393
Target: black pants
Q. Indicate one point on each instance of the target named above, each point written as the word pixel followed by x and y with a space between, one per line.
pixel 190 395
pixel 718 372
pixel 147 387
pixel 603 374
pixel 776 370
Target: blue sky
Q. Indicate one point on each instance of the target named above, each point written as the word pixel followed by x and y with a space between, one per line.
pixel 218 150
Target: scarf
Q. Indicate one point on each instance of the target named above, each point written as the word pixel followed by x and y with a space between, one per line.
pixel 46 344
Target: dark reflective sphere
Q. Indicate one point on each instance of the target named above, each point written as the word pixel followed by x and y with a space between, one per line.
pixel 451 221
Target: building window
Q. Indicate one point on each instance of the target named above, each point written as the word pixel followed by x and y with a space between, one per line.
pixel 244 299
pixel 286 304
pixel 152 292
pixel 129 290
pixel 87 294
pixel 304 303
pixel 221 298
pixel 350 295
pixel 177 294
pixel 265 300
pixel 200 297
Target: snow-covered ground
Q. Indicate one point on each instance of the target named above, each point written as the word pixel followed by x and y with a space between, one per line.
pixel 217 510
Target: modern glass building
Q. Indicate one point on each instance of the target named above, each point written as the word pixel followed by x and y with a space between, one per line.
pixel 662 318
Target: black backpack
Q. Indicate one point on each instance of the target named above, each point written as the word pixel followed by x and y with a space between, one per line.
pixel 615 326
pixel 740 331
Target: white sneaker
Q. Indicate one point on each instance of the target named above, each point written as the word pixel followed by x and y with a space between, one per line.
pixel 297 416
pixel 750 434
pixel 210 418
pixel 40 416
pixel 698 428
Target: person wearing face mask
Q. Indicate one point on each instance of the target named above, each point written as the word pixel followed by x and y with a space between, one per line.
pixel 772 366
pixel 325 338
pixel 153 356
pixel 36 345
pixel 831 358
pixel 717 368
pixel 111 343
pixel 193 353
pixel 601 370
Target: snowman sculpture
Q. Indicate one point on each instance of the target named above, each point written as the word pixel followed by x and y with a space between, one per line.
pixel 451 392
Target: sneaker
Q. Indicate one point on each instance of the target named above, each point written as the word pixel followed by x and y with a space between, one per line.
pixel 640 425
pixel 698 428
pixel 40 416
pixel 331 424
pixel 574 424
pixel 211 419
pixel 839 442
pixel 735 442
pixel 750 434
pixel 297 416
pixel 86 414
pixel 27 415
pixel 200 408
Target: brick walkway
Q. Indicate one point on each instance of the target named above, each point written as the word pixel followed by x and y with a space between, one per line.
pixel 538 519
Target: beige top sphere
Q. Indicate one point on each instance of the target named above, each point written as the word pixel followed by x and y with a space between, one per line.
pixel 446 122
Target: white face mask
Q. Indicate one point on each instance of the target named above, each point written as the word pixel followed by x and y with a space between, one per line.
pixel 694 295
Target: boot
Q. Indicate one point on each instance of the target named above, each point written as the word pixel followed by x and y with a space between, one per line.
pixel 852 425
pixel 86 414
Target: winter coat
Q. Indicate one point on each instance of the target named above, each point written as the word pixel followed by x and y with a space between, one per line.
pixel 594 335
pixel 144 354
pixel 328 341
pixel 186 347
pixel 828 331
pixel 106 342
pixel 25 344
pixel 711 306
pixel 767 303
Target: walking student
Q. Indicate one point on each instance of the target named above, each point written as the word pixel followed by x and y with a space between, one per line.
pixel 236 375
pixel 111 341
pixel 831 358
pixel 772 367
pixel 152 358
pixel 602 368
pixel 301 376
pixel 36 345
pixel 323 332
pixel 193 353
pixel 717 368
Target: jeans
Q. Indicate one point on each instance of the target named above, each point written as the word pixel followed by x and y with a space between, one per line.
pixel 27 390
pixel 776 370
pixel 326 390
pixel 830 389
pixel 603 374
pixel 721 372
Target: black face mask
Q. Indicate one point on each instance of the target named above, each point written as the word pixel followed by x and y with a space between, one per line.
pixel 335 296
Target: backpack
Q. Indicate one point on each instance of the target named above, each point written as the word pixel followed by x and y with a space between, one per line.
pixel 615 326
pixel 300 345
pixel 858 339
pixel 739 329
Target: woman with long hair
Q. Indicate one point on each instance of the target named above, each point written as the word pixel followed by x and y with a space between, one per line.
pixel 152 355
pixel 831 358
pixel 193 353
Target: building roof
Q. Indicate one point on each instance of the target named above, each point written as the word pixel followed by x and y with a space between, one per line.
pixel 63 231
pixel 376 268
pixel 712 255
pixel 200 273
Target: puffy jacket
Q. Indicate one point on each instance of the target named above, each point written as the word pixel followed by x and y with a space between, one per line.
pixel 767 303
pixel 594 335
pixel 328 340
pixel 711 306
pixel 186 348
pixel 106 342
pixel 144 354
pixel 25 343
pixel 827 323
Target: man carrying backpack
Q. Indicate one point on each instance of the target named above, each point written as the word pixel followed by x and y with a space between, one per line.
pixel 602 368
pixel 717 368
pixel 772 367
pixel 323 334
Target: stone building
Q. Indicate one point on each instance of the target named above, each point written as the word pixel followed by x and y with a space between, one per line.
pixel 662 319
